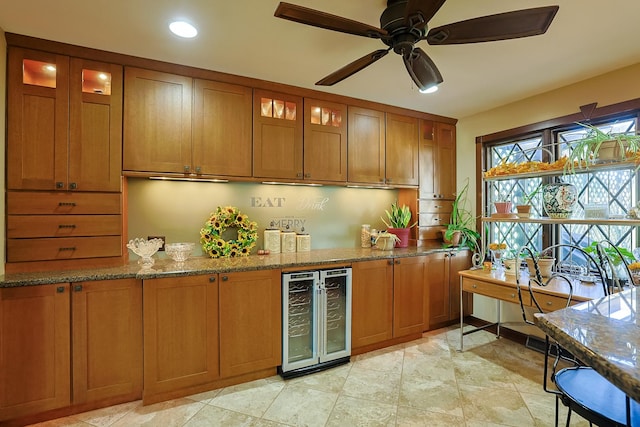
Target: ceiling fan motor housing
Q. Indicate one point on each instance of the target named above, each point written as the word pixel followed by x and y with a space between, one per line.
pixel 402 37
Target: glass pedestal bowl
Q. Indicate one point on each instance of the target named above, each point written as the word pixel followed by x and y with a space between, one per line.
pixel 179 252
pixel 145 249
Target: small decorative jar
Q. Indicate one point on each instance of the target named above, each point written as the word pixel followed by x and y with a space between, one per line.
pixel 303 243
pixel 272 240
pixel 288 244
pixel 559 199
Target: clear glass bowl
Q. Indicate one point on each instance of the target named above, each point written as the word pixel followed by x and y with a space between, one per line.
pixel 179 252
pixel 145 249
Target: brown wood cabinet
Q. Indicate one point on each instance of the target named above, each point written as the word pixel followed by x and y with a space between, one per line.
pixel 69 345
pixel 366 148
pixel 180 333
pixel 442 292
pixel 35 358
pixel 325 141
pixel 409 283
pixel 61 136
pixel 250 321
pixel 437 160
pixel 277 135
pixel 402 149
pixel 372 302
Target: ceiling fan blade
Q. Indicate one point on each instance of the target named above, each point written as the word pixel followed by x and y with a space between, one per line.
pixel 502 26
pixel 352 68
pixel 304 15
pixel 422 69
pixel 421 11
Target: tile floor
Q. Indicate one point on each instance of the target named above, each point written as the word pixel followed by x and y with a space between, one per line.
pixel 494 382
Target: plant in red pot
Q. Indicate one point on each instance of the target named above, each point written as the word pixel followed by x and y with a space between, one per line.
pixel 398 224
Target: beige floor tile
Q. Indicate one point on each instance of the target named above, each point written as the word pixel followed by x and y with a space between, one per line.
pixel 331 380
pixel 542 408
pixel 206 396
pixel 172 413
pixel 252 398
pixel 378 386
pixel 420 366
pixel 349 411
pixel 385 360
pixel 495 405
pixel 431 395
pixel 62 422
pixel 413 417
pixel 214 416
pixel 108 416
pixel 301 406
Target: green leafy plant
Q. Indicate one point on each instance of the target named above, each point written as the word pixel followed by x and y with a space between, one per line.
pixel 462 221
pixel 611 252
pixel 528 197
pixel 398 217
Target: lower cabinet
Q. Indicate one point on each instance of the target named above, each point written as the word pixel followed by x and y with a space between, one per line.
pixel 388 298
pixel 250 321
pixel 69 344
pixel 180 333
pixel 442 293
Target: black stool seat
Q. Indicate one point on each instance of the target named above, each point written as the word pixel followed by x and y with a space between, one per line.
pixel 593 397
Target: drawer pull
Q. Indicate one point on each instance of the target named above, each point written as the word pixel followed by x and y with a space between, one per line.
pixel 60 289
pixel 67 226
pixel 225 278
pixel 549 303
pixel 474 286
pixel 513 295
pixel 212 279
pixel 70 248
pixel 77 288
pixel 66 203
pixel 437 206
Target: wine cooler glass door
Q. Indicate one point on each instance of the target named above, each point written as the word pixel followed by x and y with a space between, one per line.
pixel 299 320
pixel 336 310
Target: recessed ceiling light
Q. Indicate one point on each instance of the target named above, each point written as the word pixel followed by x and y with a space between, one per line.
pixel 430 89
pixel 183 29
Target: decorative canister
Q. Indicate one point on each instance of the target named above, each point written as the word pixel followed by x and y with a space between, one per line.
pixel 365 236
pixel 559 199
pixel 303 242
pixel 288 242
pixel 272 240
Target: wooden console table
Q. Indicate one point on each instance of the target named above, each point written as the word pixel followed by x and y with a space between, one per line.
pixel 502 287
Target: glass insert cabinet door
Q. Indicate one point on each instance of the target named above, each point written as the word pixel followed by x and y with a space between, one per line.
pixel 299 320
pixel 336 307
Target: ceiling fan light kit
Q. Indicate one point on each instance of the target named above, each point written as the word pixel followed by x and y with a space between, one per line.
pixel 404 23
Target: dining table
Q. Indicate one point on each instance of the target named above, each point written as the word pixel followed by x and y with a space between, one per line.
pixel 603 333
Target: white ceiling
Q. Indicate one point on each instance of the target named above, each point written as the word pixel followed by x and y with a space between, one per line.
pixel 587 38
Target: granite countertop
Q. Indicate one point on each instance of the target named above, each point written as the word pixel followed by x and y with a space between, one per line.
pixel 604 334
pixel 165 267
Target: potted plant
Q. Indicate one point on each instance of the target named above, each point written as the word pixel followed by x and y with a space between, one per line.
pixel 545 261
pixel 524 206
pixel 599 146
pixel 399 217
pixel 459 231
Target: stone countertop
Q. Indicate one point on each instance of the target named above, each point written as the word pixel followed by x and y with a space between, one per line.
pixel 165 267
pixel 604 334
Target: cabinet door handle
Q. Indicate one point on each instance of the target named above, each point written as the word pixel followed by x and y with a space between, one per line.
pixel 73 186
pixel 307 175
pixel 390 262
pixel 77 288
pixel 187 169
pixel 225 278
pixel 68 248
pixel 66 226
pixel 397 261
pixel 72 204
pixel 198 169
pixel 212 279
pixel 446 255
pixel 60 289
pixel 389 180
pixel 59 185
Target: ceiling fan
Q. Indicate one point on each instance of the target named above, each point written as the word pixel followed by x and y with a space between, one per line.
pixel 404 23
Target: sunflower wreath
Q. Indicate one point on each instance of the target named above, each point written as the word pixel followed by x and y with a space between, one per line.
pixel 228 217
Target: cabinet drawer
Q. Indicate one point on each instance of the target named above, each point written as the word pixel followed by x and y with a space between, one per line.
pixel 435 205
pixel 59 203
pixel 430 233
pixel 29 226
pixel 551 303
pixel 504 293
pixel 19 250
pixel 432 219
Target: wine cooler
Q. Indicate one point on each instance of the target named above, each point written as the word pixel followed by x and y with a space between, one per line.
pixel 316 320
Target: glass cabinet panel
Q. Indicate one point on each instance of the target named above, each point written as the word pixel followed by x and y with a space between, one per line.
pixel 38 73
pixel 96 82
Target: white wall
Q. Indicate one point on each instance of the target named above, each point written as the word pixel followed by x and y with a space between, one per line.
pixel 617 86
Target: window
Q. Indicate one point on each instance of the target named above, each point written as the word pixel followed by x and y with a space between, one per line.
pixel 613 190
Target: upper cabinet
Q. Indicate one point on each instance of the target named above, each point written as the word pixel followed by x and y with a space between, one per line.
pixel 174 124
pixel 366 149
pixel 401 150
pixel 277 135
pixel 64 123
pixel 325 141
pixel 437 160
